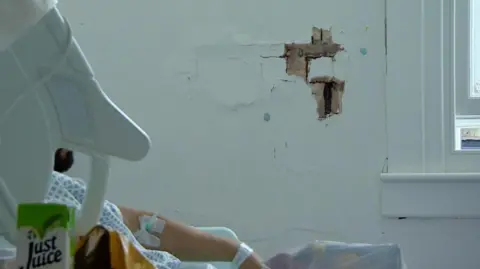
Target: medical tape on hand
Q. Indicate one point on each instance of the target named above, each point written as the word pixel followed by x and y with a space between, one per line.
pixel 243 253
pixel 149 225
pixel 153 224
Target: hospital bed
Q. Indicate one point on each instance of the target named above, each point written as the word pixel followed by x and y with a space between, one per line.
pixel 50 99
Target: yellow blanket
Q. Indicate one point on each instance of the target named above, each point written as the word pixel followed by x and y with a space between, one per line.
pixel 105 249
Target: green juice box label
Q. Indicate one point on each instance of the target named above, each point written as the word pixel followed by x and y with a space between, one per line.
pixel 44 236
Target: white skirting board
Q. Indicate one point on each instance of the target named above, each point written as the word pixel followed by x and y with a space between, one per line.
pixel 430 195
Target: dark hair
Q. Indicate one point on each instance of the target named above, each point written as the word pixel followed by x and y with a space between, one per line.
pixel 63 160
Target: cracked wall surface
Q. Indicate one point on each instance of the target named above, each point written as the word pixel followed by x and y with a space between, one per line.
pixel 327 90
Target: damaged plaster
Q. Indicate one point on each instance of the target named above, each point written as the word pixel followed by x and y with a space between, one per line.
pixel 299 56
pixel 327 91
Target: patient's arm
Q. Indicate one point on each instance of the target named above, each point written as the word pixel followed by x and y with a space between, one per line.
pixel 190 244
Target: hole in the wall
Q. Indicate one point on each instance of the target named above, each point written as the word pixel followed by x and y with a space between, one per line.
pixel 328 93
pixel 327 90
pixel 298 56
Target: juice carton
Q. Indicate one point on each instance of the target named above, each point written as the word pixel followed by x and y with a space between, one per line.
pixel 44 236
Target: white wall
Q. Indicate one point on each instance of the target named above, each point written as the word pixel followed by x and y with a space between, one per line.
pixel 190 73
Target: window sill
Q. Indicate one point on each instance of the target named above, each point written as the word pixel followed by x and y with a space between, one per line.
pixel 430 195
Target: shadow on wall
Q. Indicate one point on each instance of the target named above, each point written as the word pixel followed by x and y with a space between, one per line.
pixel 81 167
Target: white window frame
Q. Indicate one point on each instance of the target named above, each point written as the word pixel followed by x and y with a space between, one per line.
pixel 428 61
pixel 467 102
pixel 427 51
pixel 466 59
pixel 474 53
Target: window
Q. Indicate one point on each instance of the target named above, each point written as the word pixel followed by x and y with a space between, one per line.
pixel 430 109
pixel 475 49
pixel 466 55
pixel 430 95
pixel 431 106
pixel 467 133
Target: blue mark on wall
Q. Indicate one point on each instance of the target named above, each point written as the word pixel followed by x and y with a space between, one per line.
pixel 266 117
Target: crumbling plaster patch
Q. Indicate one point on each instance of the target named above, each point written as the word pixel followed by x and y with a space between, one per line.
pixel 328 93
pixel 327 90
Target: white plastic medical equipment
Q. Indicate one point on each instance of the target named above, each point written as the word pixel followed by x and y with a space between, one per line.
pixel 49 99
